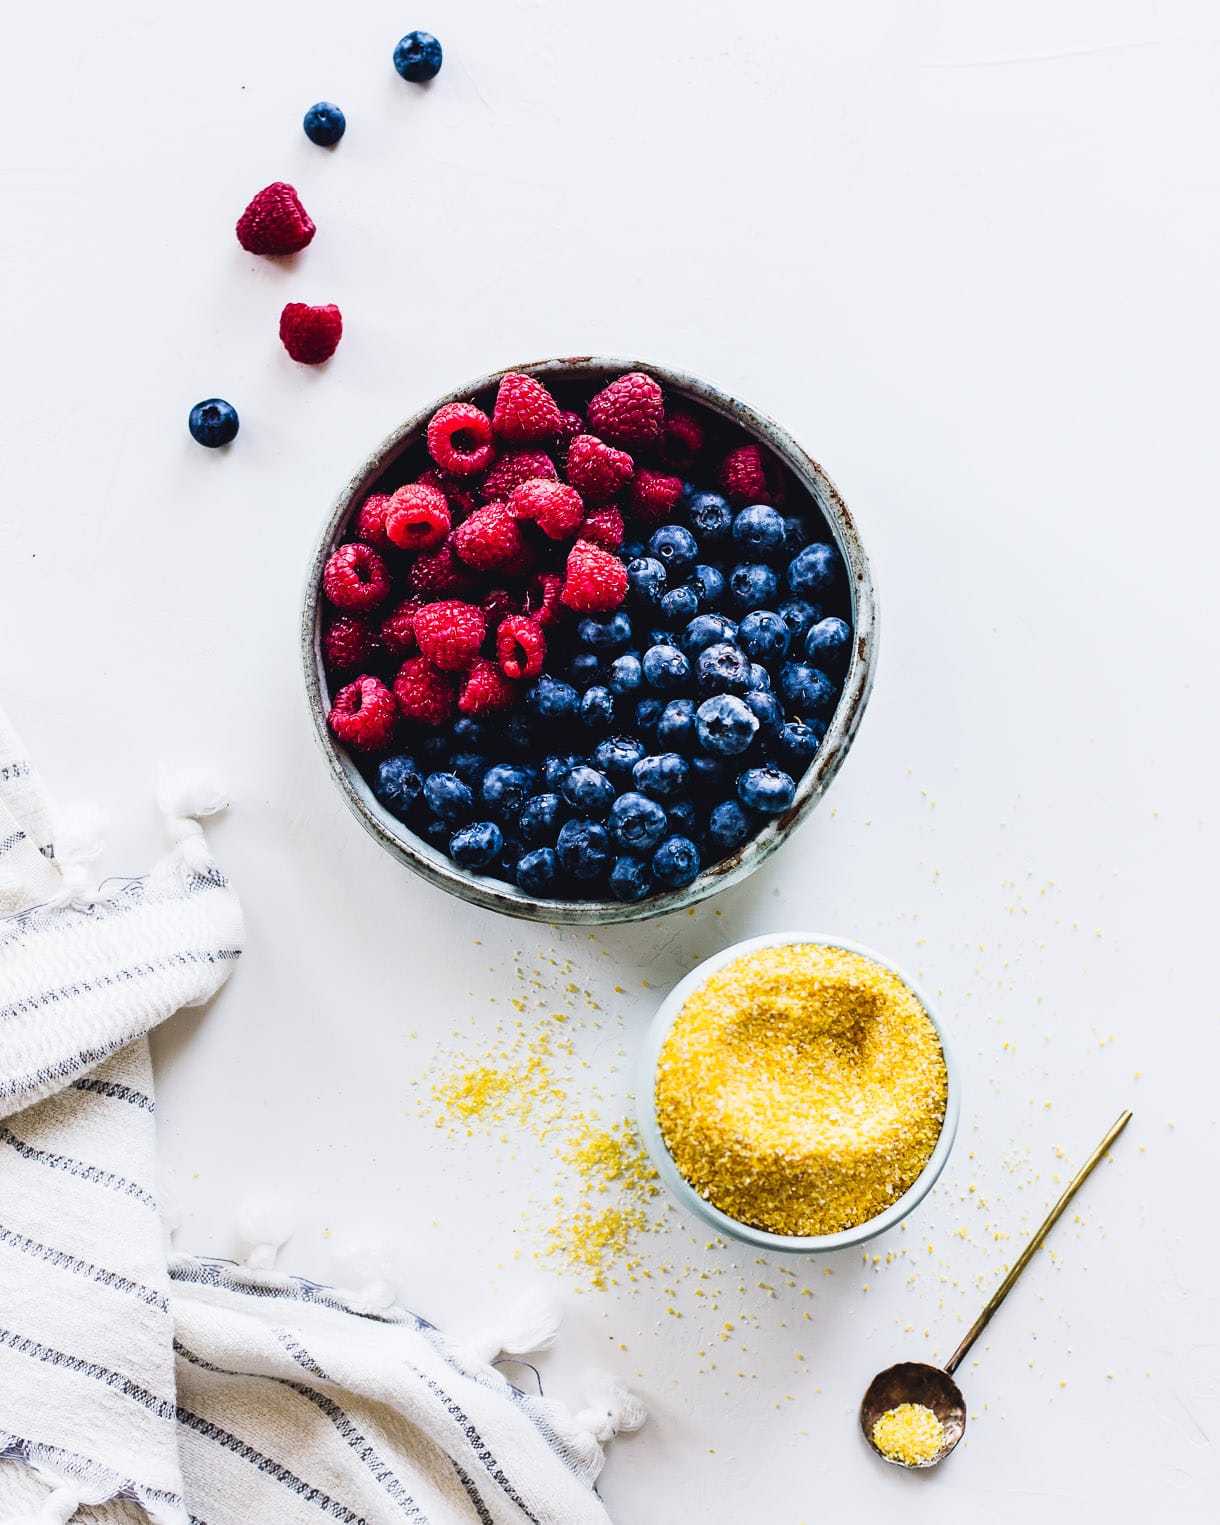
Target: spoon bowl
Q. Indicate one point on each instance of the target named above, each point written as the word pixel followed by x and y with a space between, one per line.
pixel 915 1382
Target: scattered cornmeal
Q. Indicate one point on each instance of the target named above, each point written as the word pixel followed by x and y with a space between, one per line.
pixel 910 1433
pixel 801 1089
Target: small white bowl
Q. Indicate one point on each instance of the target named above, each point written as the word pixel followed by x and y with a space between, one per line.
pixel 681 1188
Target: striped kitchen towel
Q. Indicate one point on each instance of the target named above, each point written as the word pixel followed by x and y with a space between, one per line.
pixel 138 1385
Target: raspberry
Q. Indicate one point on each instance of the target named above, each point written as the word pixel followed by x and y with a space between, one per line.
pixel 596 581
pixel 349 643
pixel 570 425
pixel 439 574
pixel 423 692
pixel 398 628
pixel 749 476
pixel 681 438
pixel 275 222
pixel 417 517
pixel 490 539
pixel 498 605
pixel 556 508
pixel 605 528
pixel 459 439
pixel 629 411
pixel 450 633
pixel 370 521
pixel 654 496
pixel 520 646
pixel 524 410
pixel 486 690
pixel 311 334
pixel 514 467
pixel 459 494
pixel 363 715
pixel 543 598
pixel 597 470
pixel 355 577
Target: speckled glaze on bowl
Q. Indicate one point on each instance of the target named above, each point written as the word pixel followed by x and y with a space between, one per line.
pixel 681 1188
pixel 495 894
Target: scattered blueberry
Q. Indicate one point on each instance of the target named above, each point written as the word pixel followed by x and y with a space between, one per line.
pixel 768 790
pixel 763 636
pixel 636 822
pixel 708 774
pixel 711 517
pixel 723 669
pixel 828 643
pixel 213 422
pixel 470 767
pixel 797 742
pixel 662 775
pixel 725 725
pixel 676 727
pixel 767 710
pixel 606 636
pixel 597 707
pixel 448 798
pixel 665 667
pixel 630 879
pixel 537 871
pixel 617 755
pixel 647 580
pixel 583 848
pixel 398 784
pixel 709 585
pixel 675 863
pixel 813 569
pixel 806 689
pixel 675 548
pixel 679 604
pixel 584 668
pixel 625 675
pixel 418 57
pixel 648 714
pixel 505 788
pixel 706 630
pixel 759 677
pixel 759 530
pixel 476 846
pixel 799 616
pixel 796 534
pixel 683 818
pixel 540 818
pixel 753 585
pixel 556 768
pixel 324 124
pixel 728 826
pixel 551 699
pixel 589 791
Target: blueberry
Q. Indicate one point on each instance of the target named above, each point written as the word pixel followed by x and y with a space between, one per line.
pixel 508 858
pixel 584 669
pixel 324 124
pixel 550 699
pixel 675 548
pixel 630 878
pixel 636 822
pixel 680 605
pixel 768 790
pixel 797 742
pixel 725 725
pixel 759 677
pixel 710 516
pixel 213 422
pixel 753 585
pixel 418 57
pixel 676 727
pixel 728 826
pixel 476 846
pixel 759 529
pixel 763 636
pixel 796 533
pixel 557 766
pixel 448 797
pixel 709 585
pixel 398 784
pixel 683 817
pixel 469 766
pixel 723 668
pixel 632 550
pixel 468 735
pixel 676 862
pixel 589 791
pixel 708 775
pixel 648 713
pixel 806 689
pixel 583 848
pixel 799 616
pixel 437 833
pixel 767 710
pixel 617 755
pixel 706 630
pixel 665 667
pixel 505 788
pixel 539 820
pixel 647 580
pixel 663 775
pixel 597 707
pixel 813 569
pixel 605 636
pixel 537 871
pixel 626 674
pixel 828 643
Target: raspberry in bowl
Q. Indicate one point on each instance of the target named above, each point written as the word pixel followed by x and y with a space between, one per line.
pixel 587 639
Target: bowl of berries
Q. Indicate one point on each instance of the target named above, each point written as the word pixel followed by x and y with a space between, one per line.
pixel 585 640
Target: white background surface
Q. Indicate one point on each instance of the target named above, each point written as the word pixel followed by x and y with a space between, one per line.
pixel 967 254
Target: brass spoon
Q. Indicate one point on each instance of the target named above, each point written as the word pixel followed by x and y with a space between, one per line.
pixel 933 1386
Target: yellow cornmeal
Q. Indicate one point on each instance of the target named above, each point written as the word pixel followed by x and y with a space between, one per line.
pixel 910 1433
pixel 801 1089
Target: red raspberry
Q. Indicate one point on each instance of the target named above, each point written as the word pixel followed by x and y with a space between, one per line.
pixel 439 574
pixel 629 411
pixel 653 496
pixel 543 598
pixel 749 476
pixel 490 539
pixel 459 439
pixel 363 715
pixel 524 410
pixel 311 334
pixel 424 693
pixel 485 690
pixel 398 628
pixel 596 581
pixel 349 643
pixel 570 425
pixel 355 577
pixel 514 467
pixel 597 470
pixel 681 438
pixel 450 633
pixel 604 528
pixel 556 508
pixel 417 517
pixel 370 521
pixel 520 646
pixel 459 494
pixel 275 222
pixel 497 606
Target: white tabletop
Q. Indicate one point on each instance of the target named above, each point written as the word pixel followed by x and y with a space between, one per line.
pixel 967 256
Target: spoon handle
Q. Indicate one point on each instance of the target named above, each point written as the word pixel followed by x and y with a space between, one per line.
pixel 1027 1254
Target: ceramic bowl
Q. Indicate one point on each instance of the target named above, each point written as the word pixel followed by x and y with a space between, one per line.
pixel 685 1193
pixel 378 473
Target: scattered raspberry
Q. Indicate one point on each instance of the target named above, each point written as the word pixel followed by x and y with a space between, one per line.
pixel 520 646
pixel 604 527
pixel 311 334
pixel 363 715
pixel 570 425
pixel 349 643
pixel 459 439
pixel 498 605
pixel 450 633
pixel 543 598
pixel 355 577
pixel 654 496
pixel 597 470
pixel 275 222
pixel 459 493
pixel 556 508
pixel 398 628
pixel 681 438
pixel 439 574
pixel 749 476
pixel 514 467
pixel 490 539
pixel 424 693
pixel 629 411
pixel 596 581
pixel 485 690
pixel 524 410
pixel 417 517
pixel 370 521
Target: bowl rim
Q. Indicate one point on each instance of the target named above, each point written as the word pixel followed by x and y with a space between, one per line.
pixel 682 1190
pixel 496 894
